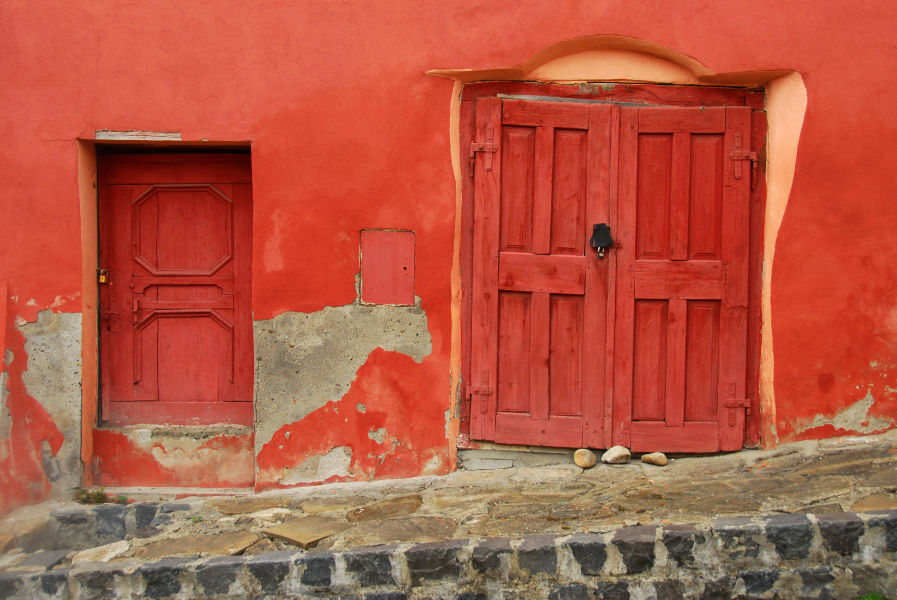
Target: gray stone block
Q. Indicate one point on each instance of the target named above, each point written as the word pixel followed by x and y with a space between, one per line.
pixel 636 545
pixel 841 532
pixel 434 560
pixel 216 575
pixel 318 569
pixel 791 534
pixel 371 566
pixel 537 554
pixel 589 550
pixel 487 554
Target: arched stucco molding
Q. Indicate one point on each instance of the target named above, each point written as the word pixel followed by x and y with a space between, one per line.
pixel 613 58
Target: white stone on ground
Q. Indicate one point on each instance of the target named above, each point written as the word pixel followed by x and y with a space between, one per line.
pixel 616 455
pixel 102 553
pixel 655 458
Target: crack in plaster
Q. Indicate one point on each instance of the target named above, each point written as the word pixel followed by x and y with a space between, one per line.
pixel 305 360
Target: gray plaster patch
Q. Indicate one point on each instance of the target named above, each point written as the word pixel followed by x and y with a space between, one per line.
pixel 53 378
pixel 320 467
pixel 304 360
pixel 852 418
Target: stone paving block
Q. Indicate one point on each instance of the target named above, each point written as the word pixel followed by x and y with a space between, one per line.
pixel 94 579
pixel 816 578
pixel 70 515
pixel 271 569
pixel 43 560
pixel 571 591
pixel 371 565
pixel 165 508
pixel 759 581
pixel 636 545
pixel 10 585
pixel 589 550
pixel 386 596
pixel 607 590
pixel 54 583
pixel 162 577
pixel 471 596
pixel 434 560
pixel 887 521
pixel 144 513
pixel 217 574
pixel 718 589
pixel 841 532
pixel 537 554
pixel 738 537
pixel 110 522
pixel 488 552
pixel 680 543
pixel 318 569
pixel 670 589
pixel 791 534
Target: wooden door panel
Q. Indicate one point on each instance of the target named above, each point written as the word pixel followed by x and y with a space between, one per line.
pixel 536 196
pixel 679 307
pixel 702 360
pixel 176 330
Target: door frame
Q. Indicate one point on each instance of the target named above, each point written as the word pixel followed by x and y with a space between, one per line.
pixel 638 94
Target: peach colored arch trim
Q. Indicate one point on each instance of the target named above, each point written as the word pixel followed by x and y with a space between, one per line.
pixel 619 58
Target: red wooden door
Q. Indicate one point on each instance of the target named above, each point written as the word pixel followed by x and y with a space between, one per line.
pixel 674 186
pixel 539 292
pixel 175 326
pixel 682 268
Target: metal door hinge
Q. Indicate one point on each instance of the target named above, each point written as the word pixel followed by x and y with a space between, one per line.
pixel 487 147
pixel 738 155
pixel 478 390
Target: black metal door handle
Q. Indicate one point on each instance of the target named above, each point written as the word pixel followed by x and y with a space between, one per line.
pixel 601 239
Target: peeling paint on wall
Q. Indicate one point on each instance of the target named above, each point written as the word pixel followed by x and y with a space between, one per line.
pixel 53 378
pixel 393 437
pixel 318 467
pixel 170 455
pixel 305 360
pixel 854 418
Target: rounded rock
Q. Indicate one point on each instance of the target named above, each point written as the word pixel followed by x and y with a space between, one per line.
pixel 655 458
pixel 616 455
pixel 585 458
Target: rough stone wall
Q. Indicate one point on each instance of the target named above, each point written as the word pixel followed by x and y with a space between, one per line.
pixel 841 555
pixel 53 378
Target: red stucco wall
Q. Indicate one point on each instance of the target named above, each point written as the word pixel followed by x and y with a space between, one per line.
pixel 348 133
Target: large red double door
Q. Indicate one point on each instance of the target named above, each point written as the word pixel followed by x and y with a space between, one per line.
pixel 645 346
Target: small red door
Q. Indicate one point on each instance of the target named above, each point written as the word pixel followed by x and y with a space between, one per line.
pixel 539 292
pixel 674 187
pixel 175 326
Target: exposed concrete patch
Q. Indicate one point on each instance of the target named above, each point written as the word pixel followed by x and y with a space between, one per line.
pixel 320 467
pixel 304 360
pixel 855 417
pixel 5 417
pixel 53 378
pixel 378 435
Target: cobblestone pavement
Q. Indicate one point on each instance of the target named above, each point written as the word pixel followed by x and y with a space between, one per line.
pixel 832 476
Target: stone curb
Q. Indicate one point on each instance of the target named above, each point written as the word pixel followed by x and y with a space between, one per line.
pixel 778 555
